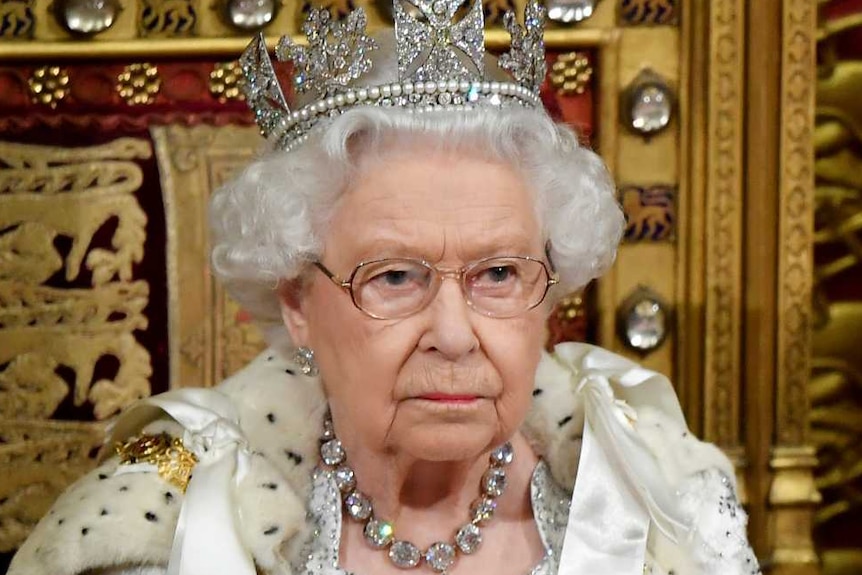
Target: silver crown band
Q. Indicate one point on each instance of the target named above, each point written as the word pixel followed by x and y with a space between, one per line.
pixel 294 128
pixel 440 46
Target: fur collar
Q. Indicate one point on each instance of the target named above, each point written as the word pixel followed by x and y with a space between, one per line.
pixel 280 413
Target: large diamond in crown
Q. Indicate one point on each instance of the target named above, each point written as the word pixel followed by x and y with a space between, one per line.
pixel 440 39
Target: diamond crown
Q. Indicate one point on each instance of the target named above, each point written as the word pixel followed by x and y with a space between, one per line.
pixel 440 48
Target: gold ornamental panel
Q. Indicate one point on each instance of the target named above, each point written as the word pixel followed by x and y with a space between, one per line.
pixel 210 336
pixel 70 305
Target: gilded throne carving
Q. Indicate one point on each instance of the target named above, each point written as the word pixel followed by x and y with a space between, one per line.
pixel 836 385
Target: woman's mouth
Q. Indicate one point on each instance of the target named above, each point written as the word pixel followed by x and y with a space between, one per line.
pixel 449 397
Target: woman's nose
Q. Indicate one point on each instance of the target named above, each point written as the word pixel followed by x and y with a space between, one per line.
pixel 451 331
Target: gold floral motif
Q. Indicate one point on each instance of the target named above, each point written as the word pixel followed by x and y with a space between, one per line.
pixel 49 85
pixel 139 84
pixel 571 307
pixel 16 19
pixel 160 18
pixel 571 73
pixel 192 347
pixel 173 461
pixel 226 81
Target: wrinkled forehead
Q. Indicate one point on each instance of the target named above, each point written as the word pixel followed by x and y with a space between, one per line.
pixel 432 202
pixel 389 146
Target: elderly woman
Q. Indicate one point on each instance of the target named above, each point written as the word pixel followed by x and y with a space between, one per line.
pixel 403 246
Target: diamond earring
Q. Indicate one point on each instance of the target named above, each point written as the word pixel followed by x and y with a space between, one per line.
pixel 303 357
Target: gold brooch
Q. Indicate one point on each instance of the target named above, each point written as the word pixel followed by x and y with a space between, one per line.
pixel 173 461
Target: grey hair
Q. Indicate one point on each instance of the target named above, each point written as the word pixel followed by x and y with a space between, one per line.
pixel 270 221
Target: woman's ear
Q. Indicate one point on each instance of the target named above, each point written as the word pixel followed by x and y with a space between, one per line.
pixel 290 296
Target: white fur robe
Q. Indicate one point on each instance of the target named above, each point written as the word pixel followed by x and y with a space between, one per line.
pixel 115 522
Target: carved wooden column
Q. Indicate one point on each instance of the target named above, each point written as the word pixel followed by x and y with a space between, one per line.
pixel 778 247
pixel 750 76
pixel 793 495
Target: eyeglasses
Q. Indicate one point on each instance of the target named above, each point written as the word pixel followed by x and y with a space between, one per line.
pixel 498 287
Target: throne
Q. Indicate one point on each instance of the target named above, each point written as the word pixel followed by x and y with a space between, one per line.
pixel 118 119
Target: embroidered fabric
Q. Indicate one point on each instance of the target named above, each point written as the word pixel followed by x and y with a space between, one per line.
pixel 721 545
pixel 319 552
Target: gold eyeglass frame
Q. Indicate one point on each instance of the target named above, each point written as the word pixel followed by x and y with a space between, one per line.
pixel 440 273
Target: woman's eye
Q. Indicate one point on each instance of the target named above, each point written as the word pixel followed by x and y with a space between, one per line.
pixel 393 277
pixel 497 274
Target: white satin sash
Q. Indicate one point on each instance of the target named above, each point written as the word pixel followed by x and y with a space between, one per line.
pixel 207 539
pixel 619 489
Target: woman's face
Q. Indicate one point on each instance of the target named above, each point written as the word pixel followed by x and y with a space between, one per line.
pixel 446 383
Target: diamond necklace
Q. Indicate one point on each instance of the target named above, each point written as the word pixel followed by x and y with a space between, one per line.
pixel 380 533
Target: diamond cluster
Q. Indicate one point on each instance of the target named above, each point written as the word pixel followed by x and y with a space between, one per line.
pixel 261 88
pixel 337 52
pixel 380 534
pixel 294 128
pixel 440 47
pixel 440 39
pixel 526 60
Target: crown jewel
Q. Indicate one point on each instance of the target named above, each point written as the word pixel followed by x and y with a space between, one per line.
pixel 440 40
pixel 526 59
pixel 440 47
pixel 337 52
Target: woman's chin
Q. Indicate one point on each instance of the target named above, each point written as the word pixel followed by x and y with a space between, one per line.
pixel 447 441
